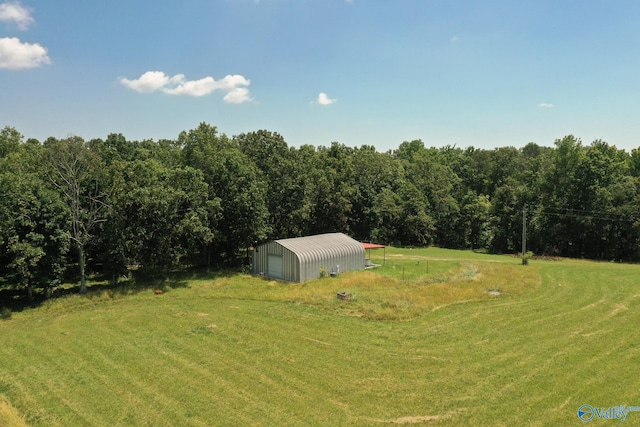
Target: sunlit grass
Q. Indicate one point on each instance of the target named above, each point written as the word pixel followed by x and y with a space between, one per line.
pixel 404 286
pixel 478 340
pixel 9 416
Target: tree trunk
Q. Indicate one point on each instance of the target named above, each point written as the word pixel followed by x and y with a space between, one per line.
pixel 83 278
pixel 206 249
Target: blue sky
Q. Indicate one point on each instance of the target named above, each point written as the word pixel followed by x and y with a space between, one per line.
pixel 486 73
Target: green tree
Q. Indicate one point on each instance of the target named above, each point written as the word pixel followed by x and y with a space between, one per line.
pixel 433 178
pixel 375 174
pixel 506 220
pixel 235 182
pixel 388 208
pixel 331 189
pixel 283 175
pixel 578 198
pixel 474 223
pixel 162 217
pixel 416 227
pixel 10 140
pixel 33 223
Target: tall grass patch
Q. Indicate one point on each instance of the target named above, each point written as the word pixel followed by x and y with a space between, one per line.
pixel 9 416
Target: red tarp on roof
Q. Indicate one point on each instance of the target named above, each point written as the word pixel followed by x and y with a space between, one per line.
pixel 372 246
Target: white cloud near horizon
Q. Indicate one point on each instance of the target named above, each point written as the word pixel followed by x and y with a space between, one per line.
pixel 237 96
pixel 152 81
pixel 14 11
pixel 323 99
pixel 545 105
pixel 16 55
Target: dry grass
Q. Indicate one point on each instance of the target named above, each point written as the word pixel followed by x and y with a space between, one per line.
pixel 382 294
pixel 383 298
pixel 9 416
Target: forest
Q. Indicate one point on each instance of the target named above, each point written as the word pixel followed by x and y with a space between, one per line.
pixel 71 208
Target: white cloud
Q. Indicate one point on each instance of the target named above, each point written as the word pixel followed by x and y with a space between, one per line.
pixel 230 82
pixel 15 55
pixel 14 11
pixel 152 81
pixel 237 96
pixel 545 105
pixel 454 39
pixel 148 82
pixel 323 99
pixel 190 87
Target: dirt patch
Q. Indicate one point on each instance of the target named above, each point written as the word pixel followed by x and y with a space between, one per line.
pixel 410 419
pixel 562 405
pixel 600 301
pixel 618 309
pixel 419 419
pixel 598 332
pixel 314 340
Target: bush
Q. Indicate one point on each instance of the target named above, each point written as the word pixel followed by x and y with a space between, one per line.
pixel 5 313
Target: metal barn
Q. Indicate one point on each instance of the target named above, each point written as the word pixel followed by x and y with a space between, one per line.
pixel 303 258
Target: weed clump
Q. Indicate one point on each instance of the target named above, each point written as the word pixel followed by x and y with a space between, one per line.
pixel 5 313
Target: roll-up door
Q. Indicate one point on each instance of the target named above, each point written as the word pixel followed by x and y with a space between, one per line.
pixel 275 267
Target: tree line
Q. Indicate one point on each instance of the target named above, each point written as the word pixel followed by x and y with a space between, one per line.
pixel 70 206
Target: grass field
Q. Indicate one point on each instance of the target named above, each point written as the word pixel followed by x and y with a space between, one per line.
pixel 476 340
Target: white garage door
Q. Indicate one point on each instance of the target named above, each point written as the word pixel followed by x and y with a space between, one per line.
pixel 275 267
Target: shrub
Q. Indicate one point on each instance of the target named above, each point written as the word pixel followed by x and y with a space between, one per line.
pixel 5 313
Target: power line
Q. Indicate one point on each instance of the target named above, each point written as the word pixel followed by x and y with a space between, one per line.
pixel 627 219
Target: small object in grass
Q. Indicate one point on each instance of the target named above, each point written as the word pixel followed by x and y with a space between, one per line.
pixel 159 291
pixel 343 295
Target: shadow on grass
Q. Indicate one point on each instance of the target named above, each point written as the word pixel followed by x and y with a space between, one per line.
pixel 16 300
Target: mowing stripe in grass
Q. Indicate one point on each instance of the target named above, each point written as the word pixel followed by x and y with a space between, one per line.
pixel 292 355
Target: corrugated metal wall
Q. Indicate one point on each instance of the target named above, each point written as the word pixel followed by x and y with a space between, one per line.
pixel 290 262
pixel 304 257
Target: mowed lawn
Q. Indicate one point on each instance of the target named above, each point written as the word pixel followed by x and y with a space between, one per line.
pixel 434 349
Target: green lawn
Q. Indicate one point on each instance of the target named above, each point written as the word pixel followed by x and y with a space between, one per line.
pixel 433 349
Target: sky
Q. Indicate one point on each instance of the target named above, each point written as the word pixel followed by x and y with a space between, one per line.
pixel 486 74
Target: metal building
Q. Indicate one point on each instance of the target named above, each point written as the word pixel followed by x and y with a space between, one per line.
pixel 303 258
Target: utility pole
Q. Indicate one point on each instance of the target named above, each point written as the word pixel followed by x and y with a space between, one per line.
pixel 524 234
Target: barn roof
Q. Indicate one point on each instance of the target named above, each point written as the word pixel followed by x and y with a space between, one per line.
pixel 310 247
